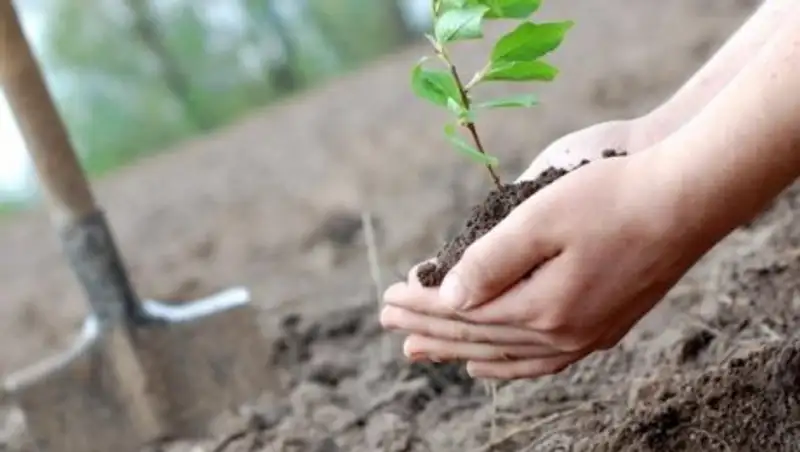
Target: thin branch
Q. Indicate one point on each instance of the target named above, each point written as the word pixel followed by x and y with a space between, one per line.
pixel 470 126
pixel 473 130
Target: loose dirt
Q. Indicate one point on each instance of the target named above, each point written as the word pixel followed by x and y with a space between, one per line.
pixel 484 217
pixel 274 203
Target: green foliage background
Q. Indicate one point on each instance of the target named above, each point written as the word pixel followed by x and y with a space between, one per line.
pixel 136 76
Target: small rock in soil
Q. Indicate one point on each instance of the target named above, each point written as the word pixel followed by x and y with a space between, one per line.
pixel 694 345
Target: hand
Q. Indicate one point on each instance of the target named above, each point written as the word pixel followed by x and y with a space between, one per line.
pixel 606 242
pixel 631 136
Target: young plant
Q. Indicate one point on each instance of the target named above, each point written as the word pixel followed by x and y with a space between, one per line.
pixel 515 57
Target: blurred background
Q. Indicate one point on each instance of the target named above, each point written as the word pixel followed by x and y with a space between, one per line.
pixel 133 77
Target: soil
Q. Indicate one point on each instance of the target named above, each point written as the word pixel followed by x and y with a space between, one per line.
pixel 485 216
pixel 713 367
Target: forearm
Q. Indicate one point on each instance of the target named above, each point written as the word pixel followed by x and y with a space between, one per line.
pixel 743 149
pixel 713 76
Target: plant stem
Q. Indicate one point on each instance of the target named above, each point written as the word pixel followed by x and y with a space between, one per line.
pixel 473 130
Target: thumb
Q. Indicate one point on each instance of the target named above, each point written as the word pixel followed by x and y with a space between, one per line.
pixel 499 259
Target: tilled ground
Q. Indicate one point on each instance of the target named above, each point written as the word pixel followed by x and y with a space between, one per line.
pixel 275 203
pixel 721 375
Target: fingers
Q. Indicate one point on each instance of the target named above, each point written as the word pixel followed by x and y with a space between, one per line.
pixel 414 297
pixel 395 318
pixel 499 259
pixel 445 350
pixel 540 302
pixel 547 365
pixel 523 368
pixel 541 305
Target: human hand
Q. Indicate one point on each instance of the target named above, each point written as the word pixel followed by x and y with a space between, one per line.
pixel 606 243
pixel 567 152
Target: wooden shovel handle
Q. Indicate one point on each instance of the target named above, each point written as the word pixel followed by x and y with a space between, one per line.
pixel 58 169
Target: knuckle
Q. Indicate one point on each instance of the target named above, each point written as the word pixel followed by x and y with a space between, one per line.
pixel 476 268
pixel 511 354
pixel 573 344
pixel 459 332
pixel 554 320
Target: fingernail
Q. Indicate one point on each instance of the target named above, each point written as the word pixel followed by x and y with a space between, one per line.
pixel 453 292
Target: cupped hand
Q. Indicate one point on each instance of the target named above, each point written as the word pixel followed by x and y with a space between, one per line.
pixel 589 144
pixel 601 247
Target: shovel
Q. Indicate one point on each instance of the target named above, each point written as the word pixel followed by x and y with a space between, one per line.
pixel 138 372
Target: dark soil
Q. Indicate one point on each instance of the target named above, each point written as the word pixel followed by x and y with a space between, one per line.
pixel 497 205
pixel 730 382
pixel 750 404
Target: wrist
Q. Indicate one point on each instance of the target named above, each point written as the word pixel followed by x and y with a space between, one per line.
pixel 646 131
pixel 650 129
pixel 708 189
pixel 681 202
pixel 718 72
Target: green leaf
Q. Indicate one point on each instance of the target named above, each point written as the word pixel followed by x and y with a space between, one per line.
pixel 464 116
pixel 523 100
pixel 436 86
pixel 509 9
pixel 520 71
pixel 455 107
pixel 447 5
pixel 530 41
pixel 466 148
pixel 460 24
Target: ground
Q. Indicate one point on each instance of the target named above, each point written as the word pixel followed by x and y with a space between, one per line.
pixel 274 203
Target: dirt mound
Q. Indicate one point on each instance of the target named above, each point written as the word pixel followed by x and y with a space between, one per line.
pixel 752 403
pixel 729 380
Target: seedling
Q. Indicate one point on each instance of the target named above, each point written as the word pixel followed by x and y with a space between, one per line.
pixel 515 57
